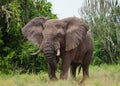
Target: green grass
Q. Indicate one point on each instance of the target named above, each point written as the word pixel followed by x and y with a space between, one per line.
pixel 104 75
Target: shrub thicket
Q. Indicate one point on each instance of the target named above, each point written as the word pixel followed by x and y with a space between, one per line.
pixel 14 48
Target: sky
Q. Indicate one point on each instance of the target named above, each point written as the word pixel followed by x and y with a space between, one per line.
pixel 66 8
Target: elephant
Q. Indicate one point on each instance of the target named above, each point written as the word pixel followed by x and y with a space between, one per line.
pixel 68 39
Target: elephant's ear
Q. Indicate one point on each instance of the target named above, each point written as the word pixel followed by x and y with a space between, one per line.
pixel 75 34
pixel 33 30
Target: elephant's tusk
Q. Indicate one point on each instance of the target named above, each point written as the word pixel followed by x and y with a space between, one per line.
pixel 58 52
pixel 35 53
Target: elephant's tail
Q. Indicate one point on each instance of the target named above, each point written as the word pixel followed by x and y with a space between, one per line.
pixel 79 69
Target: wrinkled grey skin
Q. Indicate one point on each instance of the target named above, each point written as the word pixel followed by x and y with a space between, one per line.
pixel 69 36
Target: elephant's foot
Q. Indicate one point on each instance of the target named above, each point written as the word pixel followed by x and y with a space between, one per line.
pixel 53 78
pixel 85 77
pixel 82 84
pixel 64 76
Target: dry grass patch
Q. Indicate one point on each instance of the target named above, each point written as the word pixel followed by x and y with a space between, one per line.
pixel 105 75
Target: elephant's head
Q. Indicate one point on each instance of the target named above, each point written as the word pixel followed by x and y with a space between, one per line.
pixel 51 34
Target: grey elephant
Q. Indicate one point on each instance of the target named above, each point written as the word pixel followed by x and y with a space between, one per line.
pixel 68 39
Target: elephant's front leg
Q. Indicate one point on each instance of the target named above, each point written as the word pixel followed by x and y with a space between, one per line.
pixel 64 69
pixel 66 61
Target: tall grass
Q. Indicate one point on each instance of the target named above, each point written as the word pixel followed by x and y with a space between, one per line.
pixel 104 75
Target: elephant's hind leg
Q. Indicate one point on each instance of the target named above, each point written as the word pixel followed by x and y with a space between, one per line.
pixel 85 66
pixel 85 73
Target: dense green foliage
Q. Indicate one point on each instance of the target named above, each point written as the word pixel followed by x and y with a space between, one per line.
pixel 103 16
pixel 14 48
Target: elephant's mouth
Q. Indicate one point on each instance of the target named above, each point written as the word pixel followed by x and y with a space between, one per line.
pixel 49 47
pixel 38 51
pixel 51 53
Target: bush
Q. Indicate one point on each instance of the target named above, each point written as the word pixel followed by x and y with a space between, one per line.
pixel 15 49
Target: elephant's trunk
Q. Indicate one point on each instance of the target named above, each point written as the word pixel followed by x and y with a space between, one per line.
pixel 50 54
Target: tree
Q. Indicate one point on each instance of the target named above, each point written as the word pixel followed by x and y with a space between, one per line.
pixel 14 48
pixel 103 17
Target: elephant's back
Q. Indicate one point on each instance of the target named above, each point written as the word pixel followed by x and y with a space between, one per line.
pixel 89 42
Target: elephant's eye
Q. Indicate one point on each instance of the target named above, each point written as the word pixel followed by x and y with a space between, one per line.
pixel 58 26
